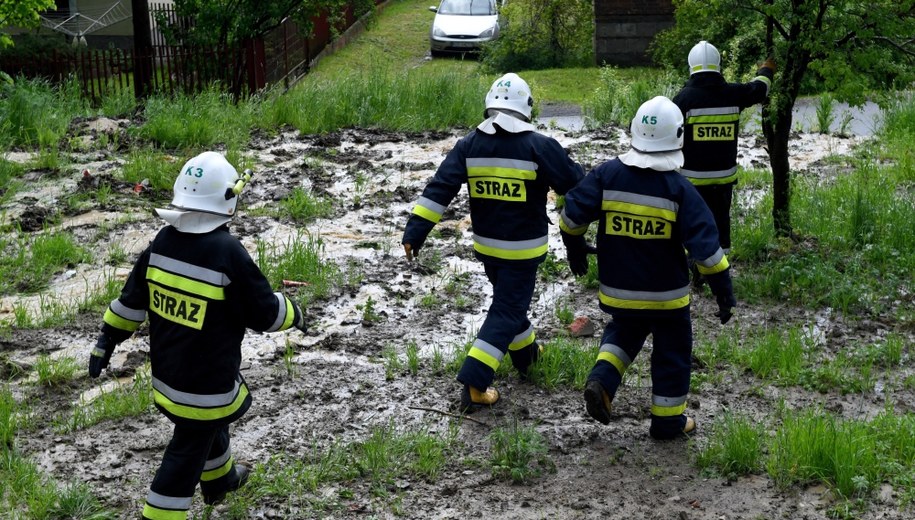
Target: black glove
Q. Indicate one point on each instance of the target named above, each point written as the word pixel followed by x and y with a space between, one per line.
pixel 101 355
pixel 726 304
pixel 723 289
pixel 577 251
pixel 300 320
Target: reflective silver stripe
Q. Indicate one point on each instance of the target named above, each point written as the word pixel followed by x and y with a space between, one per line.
pixel 524 335
pixel 126 312
pixel 727 250
pixel 644 200
pixel 501 163
pixel 621 354
pixel 651 296
pixel 765 80
pixel 708 175
pixel 712 111
pixel 280 313
pixel 189 270
pixel 571 224
pixel 197 400
pixel 511 245
pixel 489 349
pixel 218 461
pixel 713 260
pixel 431 205
pixel 163 502
pixel 659 400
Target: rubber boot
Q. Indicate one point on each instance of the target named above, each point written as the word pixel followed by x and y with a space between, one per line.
pixel 597 402
pixel 241 476
pixel 473 399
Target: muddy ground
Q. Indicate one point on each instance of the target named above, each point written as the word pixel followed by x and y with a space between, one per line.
pixel 338 390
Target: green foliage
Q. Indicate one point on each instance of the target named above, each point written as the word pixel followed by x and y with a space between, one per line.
pixel 519 452
pixel 36 114
pixel 28 262
pixel 156 169
pixel 21 13
pixel 55 372
pixel 407 101
pixel 225 22
pixel 302 260
pixel 304 206
pixel 542 34
pixel 735 446
pixel 123 401
pixel 198 122
pixel 617 97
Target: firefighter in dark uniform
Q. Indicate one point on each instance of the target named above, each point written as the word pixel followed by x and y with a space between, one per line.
pixel 711 108
pixel 201 290
pixel 647 214
pixel 508 169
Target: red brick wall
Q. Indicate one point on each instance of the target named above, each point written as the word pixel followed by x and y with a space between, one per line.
pixel 624 28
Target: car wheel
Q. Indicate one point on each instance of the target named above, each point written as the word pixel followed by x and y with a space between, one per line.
pixel 436 54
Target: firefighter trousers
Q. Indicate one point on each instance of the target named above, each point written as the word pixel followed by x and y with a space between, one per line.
pixel 718 199
pixel 672 337
pixel 506 328
pixel 194 454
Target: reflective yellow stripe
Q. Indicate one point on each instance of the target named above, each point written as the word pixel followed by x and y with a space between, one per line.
pixel 519 344
pixel 644 304
pixel 713 118
pixel 215 473
pixel 511 254
pixel 185 284
pixel 290 314
pixel 613 360
pixel 714 180
pixel 427 213
pixel 201 414
pixel 154 513
pixel 483 357
pixel 717 268
pixel 639 209
pixel 667 411
pixel 502 172
pixel 120 323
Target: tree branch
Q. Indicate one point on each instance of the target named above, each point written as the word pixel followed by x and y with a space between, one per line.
pixel 775 23
pixel 449 414
pixel 901 47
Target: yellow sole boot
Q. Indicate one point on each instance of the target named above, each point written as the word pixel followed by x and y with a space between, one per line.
pixel 690 425
pixel 597 402
pixel 473 399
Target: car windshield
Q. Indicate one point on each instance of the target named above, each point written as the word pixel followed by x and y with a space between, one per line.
pixel 467 7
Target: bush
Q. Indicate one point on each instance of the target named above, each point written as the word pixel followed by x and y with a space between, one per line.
pixel 542 34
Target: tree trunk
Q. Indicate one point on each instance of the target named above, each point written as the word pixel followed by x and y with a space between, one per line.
pixel 777 133
pixel 142 46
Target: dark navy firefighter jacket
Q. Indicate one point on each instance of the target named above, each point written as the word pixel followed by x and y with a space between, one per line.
pixel 508 176
pixel 645 220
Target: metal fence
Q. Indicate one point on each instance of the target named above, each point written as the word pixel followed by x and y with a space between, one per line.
pixel 280 57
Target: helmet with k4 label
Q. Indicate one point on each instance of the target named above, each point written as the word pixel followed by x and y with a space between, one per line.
pixel 510 92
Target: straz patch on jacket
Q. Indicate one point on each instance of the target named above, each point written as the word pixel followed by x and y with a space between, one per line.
pixel 637 226
pixel 714 132
pixel 179 308
pixel 512 190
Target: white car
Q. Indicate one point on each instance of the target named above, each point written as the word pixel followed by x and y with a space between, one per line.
pixel 463 25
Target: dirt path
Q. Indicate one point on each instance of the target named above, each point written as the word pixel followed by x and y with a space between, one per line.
pixel 337 389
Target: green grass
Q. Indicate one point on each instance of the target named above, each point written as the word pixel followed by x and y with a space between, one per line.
pixel 301 259
pixel 519 453
pixel 158 170
pixel 56 372
pixel 198 122
pixel 29 262
pixel 125 400
pixel 387 455
pixel 735 446
pixel 303 206
pixel 35 114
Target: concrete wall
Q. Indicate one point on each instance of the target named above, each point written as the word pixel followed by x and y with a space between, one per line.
pixel 624 28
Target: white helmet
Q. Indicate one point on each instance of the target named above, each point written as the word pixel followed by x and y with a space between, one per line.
pixel 704 57
pixel 510 92
pixel 203 196
pixel 657 126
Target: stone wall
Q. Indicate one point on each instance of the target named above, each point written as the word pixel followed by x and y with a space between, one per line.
pixel 624 28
